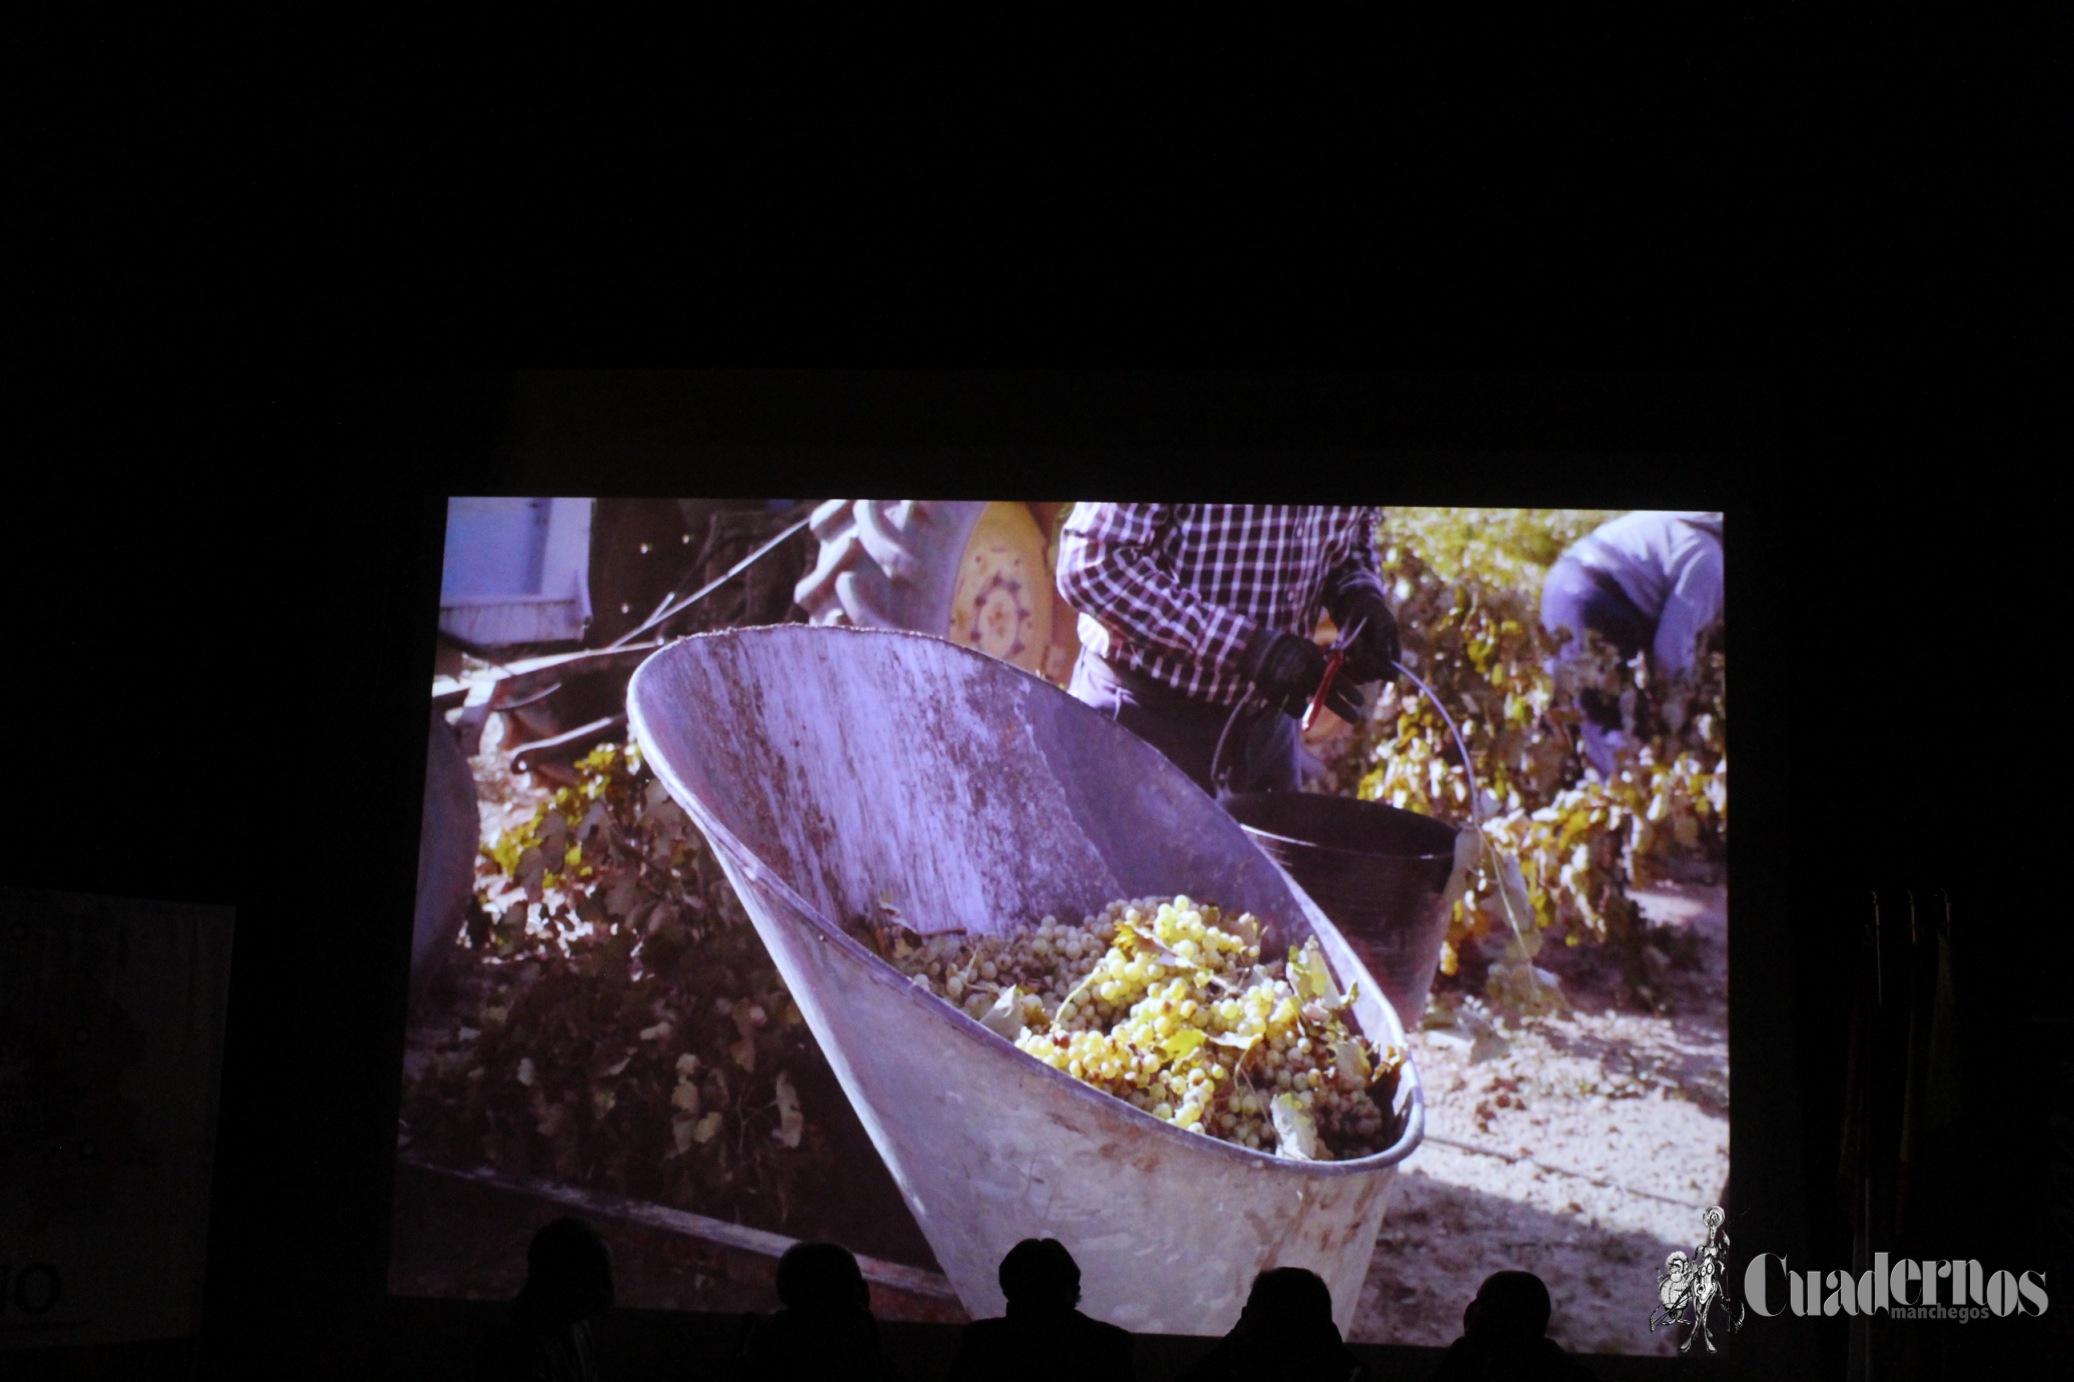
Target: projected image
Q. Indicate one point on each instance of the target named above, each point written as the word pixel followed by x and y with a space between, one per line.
pixel 1209 887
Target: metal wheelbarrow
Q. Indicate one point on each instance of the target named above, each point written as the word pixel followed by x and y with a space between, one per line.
pixel 835 770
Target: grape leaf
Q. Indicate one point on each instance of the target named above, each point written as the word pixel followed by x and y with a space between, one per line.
pixel 791 1123
pixel 1296 1132
pixel 1351 1063
pixel 531 873
pixel 1005 1017
pixel 623 894
pixel 554 835
pixel 1182 1044
pixel 1469 851
pixel 1310 976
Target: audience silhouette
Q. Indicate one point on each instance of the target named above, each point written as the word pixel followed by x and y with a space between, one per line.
pixel 1505 1337
pixel 546 1335
pixel 1043 1337
pixel 1284 1334
pixel 824 1330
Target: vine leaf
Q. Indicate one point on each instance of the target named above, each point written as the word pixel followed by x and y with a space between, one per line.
pixel 791 1122
pixel 1182 1043
pixel 531 873
pixel 1005 1017
pixel 1296 1132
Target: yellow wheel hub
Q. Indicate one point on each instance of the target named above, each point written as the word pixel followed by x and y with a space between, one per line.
pixel 1003 601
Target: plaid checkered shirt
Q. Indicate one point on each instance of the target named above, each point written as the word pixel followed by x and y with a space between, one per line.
pixel 1173 591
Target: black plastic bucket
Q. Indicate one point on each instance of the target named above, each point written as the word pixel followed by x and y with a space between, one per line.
pixel 1380 874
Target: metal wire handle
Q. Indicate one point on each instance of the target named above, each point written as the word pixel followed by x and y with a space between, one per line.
pixel 1468 768
pixel 1219 790
pixel 1461 747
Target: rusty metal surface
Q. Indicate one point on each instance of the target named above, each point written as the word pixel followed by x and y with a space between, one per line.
pixel 832 768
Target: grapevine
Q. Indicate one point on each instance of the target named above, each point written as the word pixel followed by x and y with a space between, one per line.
pixel 632 1032
pixel 1467 585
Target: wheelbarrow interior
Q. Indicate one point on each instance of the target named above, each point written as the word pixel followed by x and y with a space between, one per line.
pixel 839 772
pixel 891 774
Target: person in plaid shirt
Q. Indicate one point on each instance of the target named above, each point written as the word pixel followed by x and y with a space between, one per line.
pixel 1188 609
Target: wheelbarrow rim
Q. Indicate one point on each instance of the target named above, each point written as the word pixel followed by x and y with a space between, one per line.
pixel 877 970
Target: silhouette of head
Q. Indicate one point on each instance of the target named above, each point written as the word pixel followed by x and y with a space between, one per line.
pixel 1040 1275
pixel 1287 1303
pixel 568 1271
pixel 821 1279
pixel 1510 1307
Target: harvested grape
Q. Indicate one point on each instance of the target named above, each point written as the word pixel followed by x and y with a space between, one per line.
pixel 1166 1004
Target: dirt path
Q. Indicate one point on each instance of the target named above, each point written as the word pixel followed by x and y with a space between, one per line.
pixel 1617 1122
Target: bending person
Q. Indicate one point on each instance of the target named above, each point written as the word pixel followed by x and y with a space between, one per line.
pixel 1649 581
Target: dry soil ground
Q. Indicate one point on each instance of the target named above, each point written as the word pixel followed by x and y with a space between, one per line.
pixel 1586 1153
pixel 1599 1141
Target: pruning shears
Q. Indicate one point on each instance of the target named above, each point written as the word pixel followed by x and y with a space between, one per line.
pixel 1336 659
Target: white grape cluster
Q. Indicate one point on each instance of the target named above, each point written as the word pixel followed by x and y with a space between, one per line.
pixel 1165 1003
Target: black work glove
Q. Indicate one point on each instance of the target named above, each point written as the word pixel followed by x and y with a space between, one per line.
pixel 1288 667
pixel 1373 655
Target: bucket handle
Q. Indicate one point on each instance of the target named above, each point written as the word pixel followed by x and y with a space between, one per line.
pixel 1505 898
pixel 1218 782
pixel 1475 792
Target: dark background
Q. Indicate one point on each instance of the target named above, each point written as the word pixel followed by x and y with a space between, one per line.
pixel 219 699
pixel 1840 237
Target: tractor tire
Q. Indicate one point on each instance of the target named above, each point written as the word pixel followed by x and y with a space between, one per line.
pixel 643 551
pixel 975 573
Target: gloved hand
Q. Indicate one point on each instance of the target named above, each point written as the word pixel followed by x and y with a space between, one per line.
pixel 1288 667
pixel 1373 654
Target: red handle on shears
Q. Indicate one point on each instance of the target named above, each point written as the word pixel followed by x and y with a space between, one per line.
pixel 1332 667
